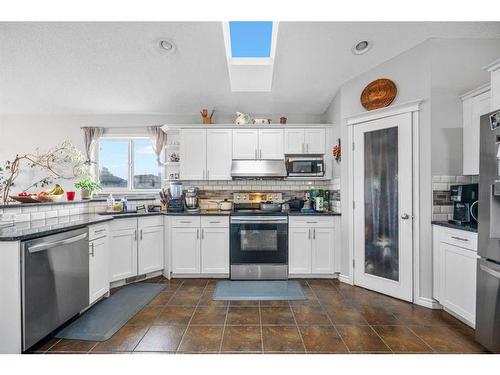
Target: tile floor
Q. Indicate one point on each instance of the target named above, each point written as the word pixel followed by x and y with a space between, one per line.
pixel 335 318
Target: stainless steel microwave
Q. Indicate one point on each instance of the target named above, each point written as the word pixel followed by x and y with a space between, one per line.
pixel 305 167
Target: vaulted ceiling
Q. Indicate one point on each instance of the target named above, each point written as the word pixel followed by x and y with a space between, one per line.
pixel 116 67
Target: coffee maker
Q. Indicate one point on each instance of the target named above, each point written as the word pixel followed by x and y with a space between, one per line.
pixel 465 200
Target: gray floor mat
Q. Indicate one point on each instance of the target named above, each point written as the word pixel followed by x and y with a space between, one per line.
pixel 258 290
pixel 102 321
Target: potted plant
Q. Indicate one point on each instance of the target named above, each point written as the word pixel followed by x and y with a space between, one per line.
pixel 87 187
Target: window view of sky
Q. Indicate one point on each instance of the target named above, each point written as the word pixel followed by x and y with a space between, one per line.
pixel 114 161
pixel 251 39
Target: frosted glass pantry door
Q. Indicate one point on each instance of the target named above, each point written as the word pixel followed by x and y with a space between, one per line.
pixel 383 250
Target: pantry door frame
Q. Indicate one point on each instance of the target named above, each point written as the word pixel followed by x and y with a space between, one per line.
pixel 413 108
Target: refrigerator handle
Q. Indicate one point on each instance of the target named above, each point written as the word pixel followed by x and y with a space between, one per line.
pixel 489 271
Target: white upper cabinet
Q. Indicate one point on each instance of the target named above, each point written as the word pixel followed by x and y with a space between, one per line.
pixel 475 104
pixel 294 141
pixel 245 144
pixel 193 154
pixel 150 252
pixel 271 144
pixel 219 154
pixel 305 141
pixel 315 141
pixel 255 144
pixel 494 69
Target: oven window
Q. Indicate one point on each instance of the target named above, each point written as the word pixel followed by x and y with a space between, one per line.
pixel 259 240
pixel 302 167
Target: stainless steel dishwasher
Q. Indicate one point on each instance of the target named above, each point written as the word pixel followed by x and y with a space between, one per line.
pixel 55 282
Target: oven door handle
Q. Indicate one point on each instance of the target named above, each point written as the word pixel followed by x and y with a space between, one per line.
pixel 258 220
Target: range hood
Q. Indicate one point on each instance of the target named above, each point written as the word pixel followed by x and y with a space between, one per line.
pixel 254 169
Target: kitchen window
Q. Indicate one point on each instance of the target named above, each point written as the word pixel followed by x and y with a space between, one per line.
pixel 128 164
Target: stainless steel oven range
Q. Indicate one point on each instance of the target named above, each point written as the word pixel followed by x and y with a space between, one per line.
pixel 258 239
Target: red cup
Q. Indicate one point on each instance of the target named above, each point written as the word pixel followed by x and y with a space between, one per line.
pixel 70 195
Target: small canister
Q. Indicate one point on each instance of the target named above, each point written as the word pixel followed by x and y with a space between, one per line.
pixel 318 204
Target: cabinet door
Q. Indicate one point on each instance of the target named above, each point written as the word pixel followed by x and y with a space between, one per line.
pixel 473 109
pixel 245 144
pixel 294 141
pixel 186 250
pixel 150 249
pixel 98 269
pixel 271 144
pixel 123 249
pixel 458 281
pixel 193 154
pixel 215 250
pixel 219 154
pixel 315 140
pixel 299 251
pixel 322 251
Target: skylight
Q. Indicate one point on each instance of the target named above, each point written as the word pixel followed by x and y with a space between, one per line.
pixel 250 39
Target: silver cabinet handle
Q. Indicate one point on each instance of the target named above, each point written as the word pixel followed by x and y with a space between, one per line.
pixel 307 147
pixel 99 231
pixel 260 154
pixel 197 234
pixel 48 245
pixel 214 222
pixel 314 234
pixel 203 175
pixel 92 247
pixel 303 148
pixel 490 271
pixel 141 235
pixel 184 222
pixel 460 238
pixel 208 175
pixel 202 233
pixel 135 235
pixel 405 216
pixel 311 222
pixel 309 233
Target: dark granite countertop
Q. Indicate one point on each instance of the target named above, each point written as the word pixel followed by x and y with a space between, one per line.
pixel 27 230
pixel 201 213
pixel 327 213
pixel 15 205
pixel 467 228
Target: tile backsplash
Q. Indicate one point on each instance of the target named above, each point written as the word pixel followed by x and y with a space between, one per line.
pixel 442 206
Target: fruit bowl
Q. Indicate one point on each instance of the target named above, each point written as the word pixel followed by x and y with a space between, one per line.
pixel 49 197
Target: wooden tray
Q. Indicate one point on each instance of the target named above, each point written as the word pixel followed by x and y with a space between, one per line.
pixel 378 94
pixel 27 199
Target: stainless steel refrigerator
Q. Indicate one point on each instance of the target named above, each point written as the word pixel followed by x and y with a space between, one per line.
pixel 488 266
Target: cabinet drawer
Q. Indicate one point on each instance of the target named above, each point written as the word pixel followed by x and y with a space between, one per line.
pixel 152 221
pixel 461 238
pixel 124 223
pixel 185 221
pixel 311 222
pixel 98 231
pixel 214 222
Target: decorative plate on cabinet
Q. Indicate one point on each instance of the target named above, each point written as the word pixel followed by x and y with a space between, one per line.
pixel 378 94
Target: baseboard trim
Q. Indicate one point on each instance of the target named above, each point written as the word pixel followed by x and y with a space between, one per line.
pixel 311 276
pixel 345 279
pixel 200 276
pixel 428 302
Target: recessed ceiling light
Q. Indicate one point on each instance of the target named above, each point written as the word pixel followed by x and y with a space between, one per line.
pixel 361 47
pixel 165 45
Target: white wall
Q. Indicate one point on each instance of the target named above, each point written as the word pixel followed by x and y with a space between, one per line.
pixel 436 71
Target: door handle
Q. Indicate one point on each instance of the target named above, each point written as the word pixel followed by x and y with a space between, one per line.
pixel 314 234
pixel 92 247
pixel 197 234
pixel 309 233
pixel 48 245
pixel 460 238
pixel 405 216
pixel 202 233
pixel 135 234
pixel 490 271
pixel 141 235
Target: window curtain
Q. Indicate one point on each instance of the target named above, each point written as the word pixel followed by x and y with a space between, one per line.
pixel 90 137
pixel 159 141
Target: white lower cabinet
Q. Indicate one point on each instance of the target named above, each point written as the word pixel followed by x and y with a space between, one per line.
pixel 98 262
pixel 311 246
pixel 455 271
pixel 136 247
pixel 200 245
pixel 186 250
pixel 150 246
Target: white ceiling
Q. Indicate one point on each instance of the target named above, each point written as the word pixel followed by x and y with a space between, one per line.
pixel 115 67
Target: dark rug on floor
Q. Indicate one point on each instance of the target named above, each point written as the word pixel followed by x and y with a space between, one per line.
pixel 102 321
